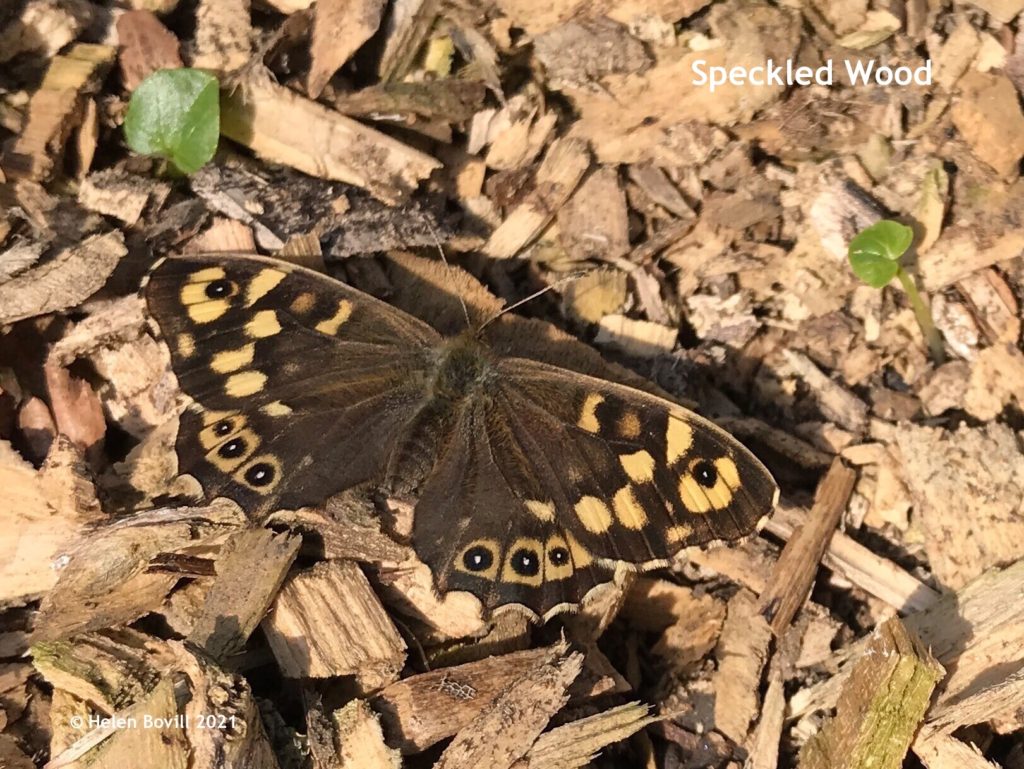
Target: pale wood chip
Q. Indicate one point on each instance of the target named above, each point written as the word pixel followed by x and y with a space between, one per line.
pixel 560 171
pixel 43 27
pixel 282 126
pixel 765 739
pixel 996 380
pixel 223 35
pixel 56 109
pixel 340 27
pixel 504 732
pixel 250 570
pixel 940 751
pixel 881 706
pixel 988 116
pixel 423 709
pixel 146 46
pixel 639 338
pixel 741 653
pixel 360 739
pixel 124 196
pixel 960 252
pixel 362 640
pixel 596 294
pixel 1003 11
pixel 64 281
pixel 594 224
pixel 577 743
pixel 836 402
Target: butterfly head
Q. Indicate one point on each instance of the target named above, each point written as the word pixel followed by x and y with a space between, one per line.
pixel 464 365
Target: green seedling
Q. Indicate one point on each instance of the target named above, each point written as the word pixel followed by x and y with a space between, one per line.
pixel 175 114
pixel 875 255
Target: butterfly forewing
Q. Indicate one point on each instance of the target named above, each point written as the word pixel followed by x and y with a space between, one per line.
pixel 289 371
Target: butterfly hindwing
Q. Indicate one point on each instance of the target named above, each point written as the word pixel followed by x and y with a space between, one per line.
pixel 288 370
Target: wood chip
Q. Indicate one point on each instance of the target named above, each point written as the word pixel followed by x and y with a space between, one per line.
pixel 113 192
pixel 966 486
pixel 881 707
pixel 576 744
pixel 594 223
pixel 504 732
pixel 836 402
pixel 223 36
pixel 55 110
pixel 340 27
pixel 362 640
pixel 66 280
pixel 250 570
pixel 596 294
pixel 990 119
pixel 559 173
pixel 361 740
pixel 741 652
pixel 281 126
pixel 146 45
pixel 423 709
pixel 996 380
pixel 639 338
pixel 958 253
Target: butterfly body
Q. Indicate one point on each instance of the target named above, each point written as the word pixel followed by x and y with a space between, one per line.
pixel 530 480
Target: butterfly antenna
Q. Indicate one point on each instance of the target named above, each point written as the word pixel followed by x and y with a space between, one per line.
pixel 440 250
pixel 557 284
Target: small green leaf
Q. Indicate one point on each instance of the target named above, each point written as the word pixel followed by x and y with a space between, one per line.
pixel 175 113
pixel 875 252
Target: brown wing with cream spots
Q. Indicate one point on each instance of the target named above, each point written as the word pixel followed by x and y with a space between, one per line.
pixel 287 369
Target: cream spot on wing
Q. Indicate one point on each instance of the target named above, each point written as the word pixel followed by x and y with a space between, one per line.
pixel 639 466
pixel 694 496
pixel 246 383
pixel 628 510
pixel 332 324
pixel 276 409
pixel 210 310
pixel 545 511
pixel 629 425
pixel 209 417
pixel 232 360
pixel 186 345
pixel 258 287
pixel 588 414
pixel 207 274
pixel 594 515
pixel 581 557
pixel 263 324
pixel 679 533
pixel 303 303
pixel 193 293
pixel 678 439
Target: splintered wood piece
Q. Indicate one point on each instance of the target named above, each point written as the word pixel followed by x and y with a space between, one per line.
pixel 252 566
pixel 691 625
pixel 66 280
pixel 991 702
pixel 55 110
pixel 764 741
pixel 881 706
pixel 223 35
pixel 107 580
pixel 866 569
pixel 595 221
pixel 147 733
pixel 327 621
pixel 505 731
pixel 421 710
pixel 77 410
pixel 282 126
pixel 37 525
pixel 741 652
pixel 941 751
pixel 110 670
pixel 836 402
pixel 577 743
pixel 794 572
pixel 636 338
pixel 557 177
pixel 222 721
pixel 341 539
pixel 340 27
pixel 360 739
pixel 146 46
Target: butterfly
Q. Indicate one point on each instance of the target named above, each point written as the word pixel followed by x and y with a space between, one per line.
pixel 531 480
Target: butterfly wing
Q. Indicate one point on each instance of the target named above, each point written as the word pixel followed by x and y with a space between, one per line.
pixel 287 369
pixel 575 472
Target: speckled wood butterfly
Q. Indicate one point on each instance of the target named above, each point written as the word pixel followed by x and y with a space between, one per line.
pixel 531 479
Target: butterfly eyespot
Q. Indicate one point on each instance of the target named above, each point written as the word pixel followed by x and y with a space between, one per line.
pixel 260 474
pixel 478 558
pixel 234 448
pixel 525 562
pixel 705 473
pixel 559 556
pixel 219 289
pixel 223 428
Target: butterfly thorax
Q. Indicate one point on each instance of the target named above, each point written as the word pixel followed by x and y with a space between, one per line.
pixel 463 367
